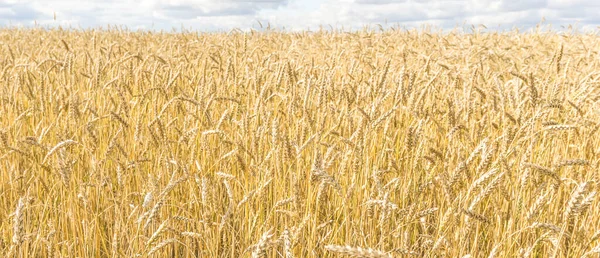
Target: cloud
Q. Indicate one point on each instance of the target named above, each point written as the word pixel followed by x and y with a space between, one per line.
pixel 192 12
pixel 379 2
pixel 152 14
pixel 194 9
pixel 18 11
pixel 225 15
pixel 511 6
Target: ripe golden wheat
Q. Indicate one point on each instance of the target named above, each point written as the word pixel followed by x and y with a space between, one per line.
pixel 311 144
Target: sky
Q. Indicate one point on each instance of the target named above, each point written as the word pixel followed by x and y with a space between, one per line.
pixel 295 15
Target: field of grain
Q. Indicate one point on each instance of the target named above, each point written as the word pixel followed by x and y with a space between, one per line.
pixel 313 144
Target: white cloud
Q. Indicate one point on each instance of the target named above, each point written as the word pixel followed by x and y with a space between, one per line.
pixel 377 2
pixel 206 15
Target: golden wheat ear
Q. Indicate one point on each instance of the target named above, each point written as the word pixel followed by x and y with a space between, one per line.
pixel 57 147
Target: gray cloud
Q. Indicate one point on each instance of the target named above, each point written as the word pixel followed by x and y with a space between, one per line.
pixel 511 6
pixel 17 11
pixel 193 9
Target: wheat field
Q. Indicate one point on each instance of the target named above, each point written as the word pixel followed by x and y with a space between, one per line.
pixel 396 143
